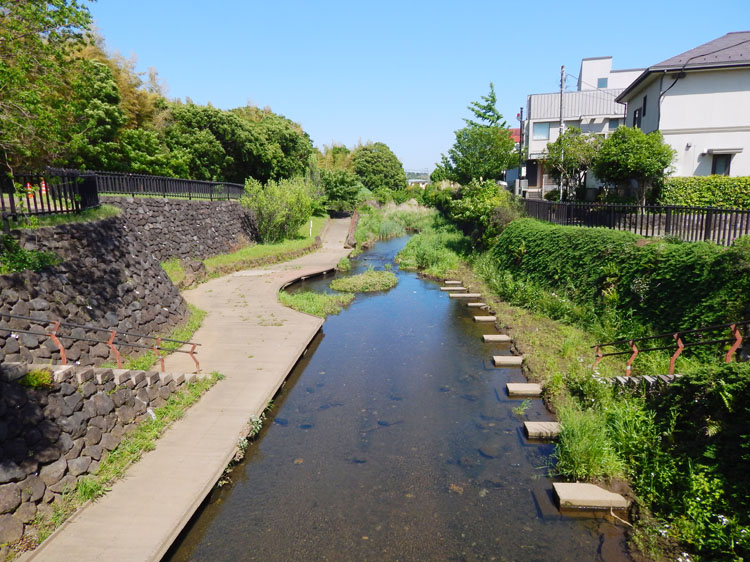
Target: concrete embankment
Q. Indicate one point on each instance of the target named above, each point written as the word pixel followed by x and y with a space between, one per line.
pixel 251 339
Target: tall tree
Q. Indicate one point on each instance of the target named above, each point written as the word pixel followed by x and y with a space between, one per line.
pixel 630 155
pixel 378 167
pixel 36 38
pixel 570 156
pixel 483 149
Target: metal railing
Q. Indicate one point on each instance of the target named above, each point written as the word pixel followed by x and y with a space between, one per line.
pixel 735 339
pixel 68 191
pixel 690 224
pixel 114 341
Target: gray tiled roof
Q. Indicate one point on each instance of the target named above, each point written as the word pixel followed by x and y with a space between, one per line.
pixel 732 48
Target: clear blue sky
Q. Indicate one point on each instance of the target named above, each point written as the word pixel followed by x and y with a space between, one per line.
pixel 400 72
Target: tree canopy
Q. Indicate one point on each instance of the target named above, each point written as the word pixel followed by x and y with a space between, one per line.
pixel 378 167
pixel 629 154
pixel 482 150
pixel 571 155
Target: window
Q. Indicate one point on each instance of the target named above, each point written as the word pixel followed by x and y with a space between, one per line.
pixel 602 82
pixel 541 131
pixel 720 164
pixel 643 106
pixel 637 118
pixel 613 124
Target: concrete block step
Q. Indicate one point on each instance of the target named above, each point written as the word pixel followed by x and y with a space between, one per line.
pixel 581 495
pixel 465 295
pixel 485 318
pixel 495 338
pixel 542 430
pixel 452 288
pixel 507 360
pixel 475 304
pixel 452 282
pixel 523 389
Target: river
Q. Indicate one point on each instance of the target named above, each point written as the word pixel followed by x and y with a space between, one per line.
pixel 393 439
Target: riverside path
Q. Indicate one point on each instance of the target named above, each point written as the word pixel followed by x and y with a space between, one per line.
pixel 254 341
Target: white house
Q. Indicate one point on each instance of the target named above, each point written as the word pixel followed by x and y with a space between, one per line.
pixel 700 101
pixel 592 108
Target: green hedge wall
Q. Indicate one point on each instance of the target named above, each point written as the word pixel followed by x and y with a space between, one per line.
pixel 661 285
pixel 706 191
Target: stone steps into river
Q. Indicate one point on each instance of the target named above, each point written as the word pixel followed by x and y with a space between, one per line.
pixel 476 304
pixel 485 318
pixel 465 295
pixel 452 282
pixel 523 389
pixel 507 360
pixel 581 495
pixel 542 430
pixel 452 288
pixel 495 338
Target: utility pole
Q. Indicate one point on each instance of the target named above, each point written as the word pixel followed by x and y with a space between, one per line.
pixel 562 122
pixel 520 152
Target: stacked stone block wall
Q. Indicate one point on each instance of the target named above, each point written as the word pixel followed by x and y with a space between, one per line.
pixel 50 437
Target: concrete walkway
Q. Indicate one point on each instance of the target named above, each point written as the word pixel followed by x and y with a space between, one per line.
pixel 251 339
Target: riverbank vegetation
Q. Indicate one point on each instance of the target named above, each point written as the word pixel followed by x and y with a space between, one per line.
pixel 367 282
pixel 560 290
pixel 317 304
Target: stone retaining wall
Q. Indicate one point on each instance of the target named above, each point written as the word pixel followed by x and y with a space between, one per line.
pixel 51 437
pixel 108 278
pixel 180 228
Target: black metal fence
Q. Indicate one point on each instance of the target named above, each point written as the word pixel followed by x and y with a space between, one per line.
pixel 691 224
pixel 68 191
pixel 159 186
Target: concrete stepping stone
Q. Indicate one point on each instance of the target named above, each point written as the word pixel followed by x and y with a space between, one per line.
pixel 542 430
pixel 507 360
pixel 496 338
pixel 465 295
pixel 452 288
pixel 523 389
pixel 485 318
pixel 473 304
pixel 581 495
pixel 452 282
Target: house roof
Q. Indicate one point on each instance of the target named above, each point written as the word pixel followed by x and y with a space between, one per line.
pixel 732 49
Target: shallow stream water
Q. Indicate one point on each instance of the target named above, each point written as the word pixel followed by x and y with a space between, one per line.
pixel 393 439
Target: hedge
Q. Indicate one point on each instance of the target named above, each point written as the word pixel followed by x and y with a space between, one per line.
pixel 661 285
pixel 706 191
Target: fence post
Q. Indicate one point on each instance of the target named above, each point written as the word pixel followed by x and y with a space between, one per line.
pixel 707 224
pixel 668 222
pixel 568 212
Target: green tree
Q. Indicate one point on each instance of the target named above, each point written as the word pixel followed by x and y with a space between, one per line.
pixel 570 156
pixel 280 208
pixel 341 188
pixel 378 168
pixel 483 149
pixel 630 155
pixel 36 38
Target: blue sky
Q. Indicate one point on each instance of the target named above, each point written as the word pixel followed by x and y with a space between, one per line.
pixel 400 72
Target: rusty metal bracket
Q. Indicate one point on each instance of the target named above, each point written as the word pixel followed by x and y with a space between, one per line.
pixel 111 344
pixel 680 347
pixel 53 336
pixel 599 357
pixel 192 356
pixel 632 357
pixel 157 343
pixel 737 342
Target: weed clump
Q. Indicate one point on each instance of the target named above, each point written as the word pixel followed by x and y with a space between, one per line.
pixel 317 304
pixel 37 378
pixel 366 282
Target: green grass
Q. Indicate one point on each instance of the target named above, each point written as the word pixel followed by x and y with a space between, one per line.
pixel 173 268
pixel 378 224
pixel 344 265
pixel 183 332
pixel 129 451
pixel 37 378
pixel 246 256
pixel 366 282
pixel 89 215
pixel 317 304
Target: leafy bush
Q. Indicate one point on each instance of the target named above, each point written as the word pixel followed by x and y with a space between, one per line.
pixel 436 252
pixel 658 285
pixel 281 208
pixel 472 211
pixel 342 189
pixel 706 191
pixel 552 195
pixel 14 258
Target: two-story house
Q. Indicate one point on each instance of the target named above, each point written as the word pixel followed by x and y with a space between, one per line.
pixel 700 101
pixel 592 108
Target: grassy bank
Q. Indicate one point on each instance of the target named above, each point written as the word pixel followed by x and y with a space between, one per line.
pixel 667 450
pixel 317 304
pixel 89 215
pixel 390 222
pixel 366 282
pixel 253 254
pixel 114 465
